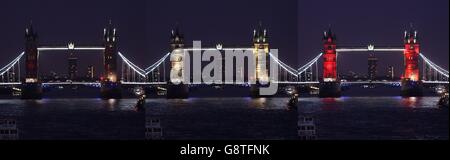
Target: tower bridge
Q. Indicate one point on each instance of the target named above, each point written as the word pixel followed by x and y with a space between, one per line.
pixel 416 64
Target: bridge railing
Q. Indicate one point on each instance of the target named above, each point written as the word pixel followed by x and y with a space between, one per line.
pixel 131 72
pixel 10 74
pixel 156 73
pixel 432 73
pixel 133 75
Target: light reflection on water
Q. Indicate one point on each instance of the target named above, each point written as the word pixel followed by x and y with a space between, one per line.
pixel 259 103
pixel 75 118
pixel 269 118
pixel 229 118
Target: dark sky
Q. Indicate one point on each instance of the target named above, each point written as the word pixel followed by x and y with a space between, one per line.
pixel 295 27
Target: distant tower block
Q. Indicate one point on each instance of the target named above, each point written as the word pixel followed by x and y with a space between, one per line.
pixel 330 86
pixel 260 44
pixel 372 67
pixel 411 84
pixel 111 88
pixel 90 73
pixel 391 73
pixel 181 90
pixel 32 86
pixel 73 66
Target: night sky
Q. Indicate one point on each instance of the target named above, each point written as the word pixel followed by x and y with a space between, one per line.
pixel 295 27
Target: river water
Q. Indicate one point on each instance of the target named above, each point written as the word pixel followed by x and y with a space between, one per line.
pixel 229 118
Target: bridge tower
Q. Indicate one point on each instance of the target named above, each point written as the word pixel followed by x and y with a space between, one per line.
pixel 111 88
pixel 411 83
pixel 260 45
pixel 181 90
pixel 32 86
pixel 330 85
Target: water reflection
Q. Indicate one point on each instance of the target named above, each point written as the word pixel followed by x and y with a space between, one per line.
pixel 35 103
pixel 113 105
pixel 411 102
pixel 331 103
pixel 67 119
pixel 229 118
pixel 110 105
pixel 258 103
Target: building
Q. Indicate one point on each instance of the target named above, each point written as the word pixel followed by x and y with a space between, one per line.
pixel 73 66
pixel 391 73
pixel 54 76
pixel 90 72
pixel 372 67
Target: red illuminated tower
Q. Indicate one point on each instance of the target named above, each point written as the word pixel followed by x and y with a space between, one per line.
pixel 411 83
pixel 329 57
pixel 330 86
pixel 411 53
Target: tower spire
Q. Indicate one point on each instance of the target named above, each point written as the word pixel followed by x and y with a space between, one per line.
pixel 30 33
pixel 260 34
pixel 176 38
pixel 329 35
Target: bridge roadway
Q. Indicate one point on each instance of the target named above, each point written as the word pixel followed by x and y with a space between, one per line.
pixel 229 83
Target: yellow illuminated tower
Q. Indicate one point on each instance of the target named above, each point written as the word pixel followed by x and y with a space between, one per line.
pixel 177 88
pixel 261 44
pixel 177 45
